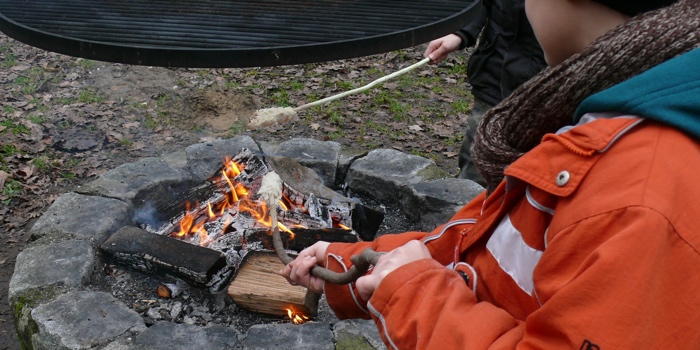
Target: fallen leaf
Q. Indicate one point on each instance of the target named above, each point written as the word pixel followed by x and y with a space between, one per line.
pixel 450 154
pixel 3 177
pixel 26 172
pixel 20 68
pixel 315 126
pixel 415 128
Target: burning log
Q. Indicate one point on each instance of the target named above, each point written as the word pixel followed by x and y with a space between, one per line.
pixel 148 252
pixel 258 287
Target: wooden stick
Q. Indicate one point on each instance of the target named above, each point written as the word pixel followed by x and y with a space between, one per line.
pixel 271 191
pixel 363 88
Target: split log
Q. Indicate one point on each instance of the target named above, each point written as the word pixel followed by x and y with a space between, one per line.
pixel 258 287
pixel 154 253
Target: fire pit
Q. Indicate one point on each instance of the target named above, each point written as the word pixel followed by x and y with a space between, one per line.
pixel 225 219
pixel 67 294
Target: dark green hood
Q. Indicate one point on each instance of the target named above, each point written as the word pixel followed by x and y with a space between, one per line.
pixel 668 93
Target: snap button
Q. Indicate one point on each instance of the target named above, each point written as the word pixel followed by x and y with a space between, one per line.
pixel 563 178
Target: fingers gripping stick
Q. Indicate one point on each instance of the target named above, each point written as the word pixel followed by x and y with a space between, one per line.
pixel 271 192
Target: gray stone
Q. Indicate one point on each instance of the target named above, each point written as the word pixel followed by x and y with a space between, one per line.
pixel 64 264
pixel 357 334
pixel 345 159
pixel 127 181
pixel 321 156
pixel 176 160
pixel 76 215
pixel 308 336
pixel 205 159
pixel 82 320
pixel 433 203
pixel 303 179
pixel 172 336
pixel 385 174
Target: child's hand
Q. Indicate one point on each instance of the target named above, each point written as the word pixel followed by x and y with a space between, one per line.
pixel 297 271
pixel 409 252
pixel 438 49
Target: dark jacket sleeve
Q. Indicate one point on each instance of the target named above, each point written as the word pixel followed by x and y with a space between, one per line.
pixel 470 33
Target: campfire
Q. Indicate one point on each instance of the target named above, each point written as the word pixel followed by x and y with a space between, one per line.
pixel 236 208
pixel 221 239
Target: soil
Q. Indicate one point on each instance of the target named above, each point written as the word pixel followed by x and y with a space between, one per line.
pixel 65 120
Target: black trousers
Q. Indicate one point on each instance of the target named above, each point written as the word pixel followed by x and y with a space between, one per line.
pixel 467 169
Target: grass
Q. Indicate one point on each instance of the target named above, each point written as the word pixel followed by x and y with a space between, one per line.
pixel 9 61
pixel 11 189
pixel 87 64
pixel 14 128
pixel 37 119
pixel 90 96
pixel 296 85
pixel 150 122
pixel 398 110
pixel 126 142
pixel 280 97
pixel 7 150
pixel 41 163
pixel 461 106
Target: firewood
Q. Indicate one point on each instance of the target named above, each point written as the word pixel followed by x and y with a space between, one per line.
pixel 258 287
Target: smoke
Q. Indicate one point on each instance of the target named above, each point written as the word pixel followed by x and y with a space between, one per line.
pixel 147 216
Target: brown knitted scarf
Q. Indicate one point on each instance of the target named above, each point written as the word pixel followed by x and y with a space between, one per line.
pixel 547 102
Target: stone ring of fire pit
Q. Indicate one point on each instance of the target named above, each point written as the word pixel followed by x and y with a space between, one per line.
pixel 55 290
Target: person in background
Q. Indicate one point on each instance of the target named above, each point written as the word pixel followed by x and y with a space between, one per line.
pixel 586 236
pixel 506 55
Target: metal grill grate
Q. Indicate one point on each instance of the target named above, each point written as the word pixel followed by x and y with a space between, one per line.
pixel 216 33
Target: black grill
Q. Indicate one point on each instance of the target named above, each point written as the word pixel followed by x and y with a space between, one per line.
pixel 214 33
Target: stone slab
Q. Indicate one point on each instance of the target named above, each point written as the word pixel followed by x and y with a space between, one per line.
pixel 321 156
pixel 127 181
pixel 64 264
pixel 77 215
pixel 82 320
pixel 173 336
pixel 357 334
pixel 432 203
pixel 308 336
pixel 205 159
pixel 385 174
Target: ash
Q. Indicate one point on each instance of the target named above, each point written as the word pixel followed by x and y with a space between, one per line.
pixel 198 306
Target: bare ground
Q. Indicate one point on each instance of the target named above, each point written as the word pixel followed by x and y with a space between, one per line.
pixel 64 120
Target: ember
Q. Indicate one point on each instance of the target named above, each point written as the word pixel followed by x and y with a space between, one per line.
pixel 236 207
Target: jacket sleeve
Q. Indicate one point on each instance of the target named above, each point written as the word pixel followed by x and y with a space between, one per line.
pixel 477 21
pixel 613 281
pixel 344 299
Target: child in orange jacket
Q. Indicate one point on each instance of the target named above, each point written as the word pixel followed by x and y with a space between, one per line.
pixel 587 236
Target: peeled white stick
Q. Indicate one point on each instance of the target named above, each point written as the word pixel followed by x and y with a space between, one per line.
pixel 281 115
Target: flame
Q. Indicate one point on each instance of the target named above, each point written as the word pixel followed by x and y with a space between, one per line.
pixel 296 318
pixel 344 227
pixel 236 194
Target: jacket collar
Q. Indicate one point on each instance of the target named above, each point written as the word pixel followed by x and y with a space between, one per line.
pixel 561 161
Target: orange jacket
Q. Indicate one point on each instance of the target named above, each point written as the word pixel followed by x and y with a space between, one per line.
pixel 596 248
